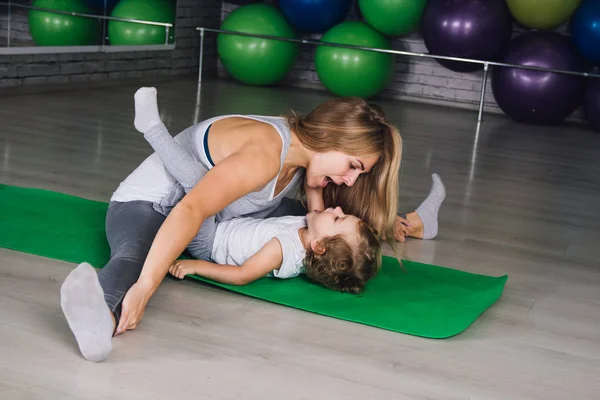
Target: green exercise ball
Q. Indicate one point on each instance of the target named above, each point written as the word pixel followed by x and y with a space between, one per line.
pixel 131 33
pixel 256 61
pixel 350 72
pixel 50 29
pixel 542 14
pixel 393 17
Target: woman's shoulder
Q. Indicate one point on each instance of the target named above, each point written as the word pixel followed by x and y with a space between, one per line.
pixel 242 130
pixel 266 123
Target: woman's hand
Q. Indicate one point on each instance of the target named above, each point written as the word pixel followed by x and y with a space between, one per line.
pixel 133 307
pixel 401 229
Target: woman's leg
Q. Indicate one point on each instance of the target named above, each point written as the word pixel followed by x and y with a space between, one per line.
pixel 91 302
pixel 415 229
pixel 130 229
pixel 424 220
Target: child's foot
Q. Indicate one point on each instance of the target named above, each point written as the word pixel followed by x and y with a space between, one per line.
pixel 146 109
pixel 90 320
pixel 428 210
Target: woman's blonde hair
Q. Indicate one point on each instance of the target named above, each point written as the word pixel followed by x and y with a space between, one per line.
pixel 342 267
pixel 357 128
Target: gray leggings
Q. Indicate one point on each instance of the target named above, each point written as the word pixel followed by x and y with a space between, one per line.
pixel 131 228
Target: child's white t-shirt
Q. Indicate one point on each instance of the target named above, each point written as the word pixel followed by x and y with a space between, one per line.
pixel 238 239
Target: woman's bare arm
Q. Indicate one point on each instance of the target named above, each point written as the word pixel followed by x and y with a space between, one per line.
pixel 239 174
pixel 244 171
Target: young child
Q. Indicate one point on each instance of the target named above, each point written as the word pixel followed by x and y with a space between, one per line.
pixel 333 249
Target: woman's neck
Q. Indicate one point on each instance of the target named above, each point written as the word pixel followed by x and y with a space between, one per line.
pixel 297 156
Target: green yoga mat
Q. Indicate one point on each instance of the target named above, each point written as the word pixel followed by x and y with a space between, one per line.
pixel 422 300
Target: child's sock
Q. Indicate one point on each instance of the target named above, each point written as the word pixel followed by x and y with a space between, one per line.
pixel 428 210
pixel 90 320
pixel 146 109
pixel 177 161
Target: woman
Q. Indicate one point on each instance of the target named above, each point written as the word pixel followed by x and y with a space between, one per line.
pixel 345 150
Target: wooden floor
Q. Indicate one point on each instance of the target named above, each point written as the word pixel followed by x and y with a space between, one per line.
pixel 521 200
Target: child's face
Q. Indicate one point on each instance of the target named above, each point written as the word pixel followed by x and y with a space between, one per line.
pixel 331 222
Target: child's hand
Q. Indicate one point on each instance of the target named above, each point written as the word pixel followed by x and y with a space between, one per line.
pixel 314 198
pixel 181 268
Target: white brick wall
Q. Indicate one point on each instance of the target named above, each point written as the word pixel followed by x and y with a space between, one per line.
pixel 417 79
pixel 39 69
pixel 425 79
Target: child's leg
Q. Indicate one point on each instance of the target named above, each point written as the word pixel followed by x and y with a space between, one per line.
pixel 200 247
pixel 92 302
pixel 178 162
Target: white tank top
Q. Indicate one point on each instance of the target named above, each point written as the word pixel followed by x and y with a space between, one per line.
pixel 151 182
pixel 239 239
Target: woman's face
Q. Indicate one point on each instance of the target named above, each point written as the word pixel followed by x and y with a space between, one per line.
pixel 337 168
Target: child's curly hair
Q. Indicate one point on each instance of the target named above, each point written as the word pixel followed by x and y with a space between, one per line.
pixel 343 268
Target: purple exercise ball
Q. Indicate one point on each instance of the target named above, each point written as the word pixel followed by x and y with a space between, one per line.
pixel 591 104
pixel 476 29
pixel 539 97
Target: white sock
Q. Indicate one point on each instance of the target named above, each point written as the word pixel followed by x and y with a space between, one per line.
pixel 90 319
pixel 146 109
pixel 428 210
